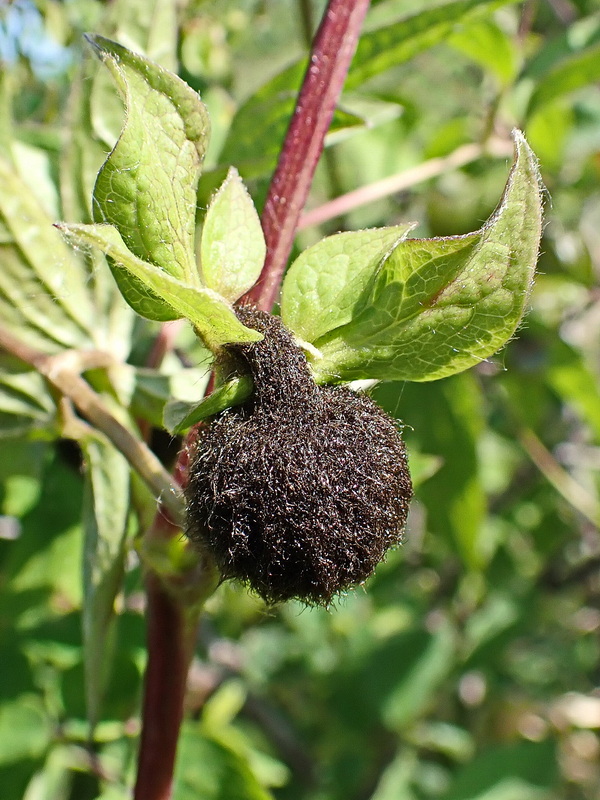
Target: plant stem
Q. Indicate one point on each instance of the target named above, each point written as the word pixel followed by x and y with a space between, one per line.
pixel 330 57
pixel 164 690
pixel 168 658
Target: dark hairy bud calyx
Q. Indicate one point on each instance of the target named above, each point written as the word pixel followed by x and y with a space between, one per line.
pixel 300 491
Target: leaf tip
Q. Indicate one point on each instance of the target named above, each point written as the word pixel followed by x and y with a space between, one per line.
pixel 522 147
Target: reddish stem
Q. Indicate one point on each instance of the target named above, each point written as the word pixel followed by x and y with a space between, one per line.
pixel 170 638
pixel 332 51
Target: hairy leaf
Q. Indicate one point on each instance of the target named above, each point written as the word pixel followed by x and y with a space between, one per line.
pixel 232 248
pixel 323 286
pixel 147 186
pixel 438 306
pixel 205 309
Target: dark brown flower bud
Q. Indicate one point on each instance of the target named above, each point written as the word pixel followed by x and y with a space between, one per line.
pixel 300 491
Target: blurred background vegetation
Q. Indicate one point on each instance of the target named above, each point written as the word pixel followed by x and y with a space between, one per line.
pixel 468 667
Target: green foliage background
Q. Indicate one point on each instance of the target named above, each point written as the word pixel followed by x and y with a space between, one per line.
pixel 468 668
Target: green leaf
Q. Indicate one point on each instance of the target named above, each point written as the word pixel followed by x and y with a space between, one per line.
pixel 422 466
pixel 431 655
pixel 47 557
pixel 519 771
pixel 326 282
pixel 259 126
pixel 488 45
pixel 25 730
pixel 147 186
pixel 439 306
pixel 574 72
pixel 43 295
pixel 448 421
pixel 206 310
pixel 180 416
pixel 409 667
pixel 105 513
pixel 232 248
pixel 394 44
pixel 570 377
pixel 207 768
pixel 148 28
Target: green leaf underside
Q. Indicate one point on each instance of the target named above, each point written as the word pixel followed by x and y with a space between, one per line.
pixel 43 296
pixel 105 512
pixel 147 186
pixel 232 248
pixel 180 416
pixel 206 310
pixel 438 306
pixel 323 286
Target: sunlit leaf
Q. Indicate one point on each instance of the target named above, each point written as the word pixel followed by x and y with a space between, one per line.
pixel 438 306
pixel 325 284
pixel 232 248
pixel 490 47
pixel 25 730
pixel 259 126
pixel 205 309
pixel 147 186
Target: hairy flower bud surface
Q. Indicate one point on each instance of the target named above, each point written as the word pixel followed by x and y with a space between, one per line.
pixel 301 490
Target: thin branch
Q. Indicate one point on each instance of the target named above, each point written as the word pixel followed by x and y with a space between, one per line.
pixel 62 371
pixel 432 168
pixel 330 57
